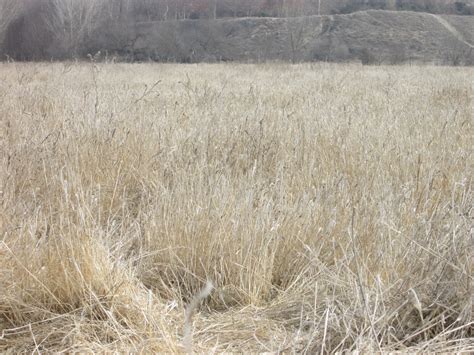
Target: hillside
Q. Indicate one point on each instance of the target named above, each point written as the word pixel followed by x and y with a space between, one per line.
pixel 370 36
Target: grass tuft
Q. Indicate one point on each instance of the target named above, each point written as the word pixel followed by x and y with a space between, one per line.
pixel 330 206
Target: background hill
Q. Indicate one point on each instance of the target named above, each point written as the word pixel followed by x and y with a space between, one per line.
pixel 214 30
pixel 368 36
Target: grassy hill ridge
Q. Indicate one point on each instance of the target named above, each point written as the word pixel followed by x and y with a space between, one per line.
pixel 370 36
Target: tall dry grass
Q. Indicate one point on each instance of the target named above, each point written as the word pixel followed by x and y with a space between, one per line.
pixel 330 205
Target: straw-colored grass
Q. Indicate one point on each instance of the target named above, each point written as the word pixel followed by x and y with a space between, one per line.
pixel 331 206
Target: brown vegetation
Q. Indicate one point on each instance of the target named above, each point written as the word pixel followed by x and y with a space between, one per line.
pixel 330 206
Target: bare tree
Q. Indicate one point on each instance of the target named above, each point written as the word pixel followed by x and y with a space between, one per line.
pixel 214 9
pixel 9 12
pixel 73 21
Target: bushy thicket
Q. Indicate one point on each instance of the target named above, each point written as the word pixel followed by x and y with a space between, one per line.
pixel 54 28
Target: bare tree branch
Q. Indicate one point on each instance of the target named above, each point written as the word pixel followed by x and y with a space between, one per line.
pixel 9 11
pixel 74 20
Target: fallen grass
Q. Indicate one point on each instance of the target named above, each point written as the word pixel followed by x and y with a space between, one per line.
pixel 330 205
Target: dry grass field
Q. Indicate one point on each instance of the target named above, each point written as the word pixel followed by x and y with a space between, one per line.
pixel 331 207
